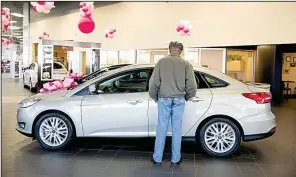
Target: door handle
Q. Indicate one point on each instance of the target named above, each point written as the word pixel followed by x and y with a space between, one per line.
pixel 134 102
pixel 195 99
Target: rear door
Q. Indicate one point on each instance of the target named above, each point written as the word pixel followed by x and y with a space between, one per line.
pixel 194 109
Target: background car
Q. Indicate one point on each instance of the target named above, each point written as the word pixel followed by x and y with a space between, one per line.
pixel 30 74
pixel 117 104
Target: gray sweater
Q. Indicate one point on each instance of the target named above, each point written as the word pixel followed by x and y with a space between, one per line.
pixel 173 77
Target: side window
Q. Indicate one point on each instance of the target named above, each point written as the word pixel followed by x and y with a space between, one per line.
pixel 57 66
pixel 31 66
pixel 201 84
pixel 129 82
pixel 214 82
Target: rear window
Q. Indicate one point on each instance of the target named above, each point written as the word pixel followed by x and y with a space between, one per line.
pixel 214 82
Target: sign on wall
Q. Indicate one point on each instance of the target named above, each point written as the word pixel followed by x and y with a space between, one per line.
pixel 46 62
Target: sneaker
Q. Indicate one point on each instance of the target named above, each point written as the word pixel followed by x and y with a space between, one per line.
pixel 154 162
pixel 177 163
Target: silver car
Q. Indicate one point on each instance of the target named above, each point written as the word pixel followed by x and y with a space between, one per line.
pixel 116 104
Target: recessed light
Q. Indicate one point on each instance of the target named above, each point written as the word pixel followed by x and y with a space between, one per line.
pixel 11 22
pixel 19 37
pixel 5 35
pixel 16 34
pixel 17 15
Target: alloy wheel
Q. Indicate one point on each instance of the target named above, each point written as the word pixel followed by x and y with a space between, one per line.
pixel 53 131
pixel 220 137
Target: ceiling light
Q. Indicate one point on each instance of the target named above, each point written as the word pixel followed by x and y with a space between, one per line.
pixel 16 34
pixel 17 15
pixel 14 27
pixel 13 22
pixel 5 35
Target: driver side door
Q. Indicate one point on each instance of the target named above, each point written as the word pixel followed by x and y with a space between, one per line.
pixel 118 106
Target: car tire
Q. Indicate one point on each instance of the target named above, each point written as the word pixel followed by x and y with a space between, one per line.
pixel 66 126
pixel 213 146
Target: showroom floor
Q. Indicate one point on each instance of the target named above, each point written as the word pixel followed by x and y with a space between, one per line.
pixel 22 157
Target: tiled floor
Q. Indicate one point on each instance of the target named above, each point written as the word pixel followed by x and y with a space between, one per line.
pixel 273 157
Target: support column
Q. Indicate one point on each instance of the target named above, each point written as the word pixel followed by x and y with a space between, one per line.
pixel 27 56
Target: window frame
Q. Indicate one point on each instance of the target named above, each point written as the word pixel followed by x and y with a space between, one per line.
pixel 85 91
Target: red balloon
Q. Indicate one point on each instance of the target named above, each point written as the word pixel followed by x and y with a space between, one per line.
pixel 6 26
pixel 2 12
pixel 34 8
pixel 111 32
pixel 106 35
pixel 178 29
pixel 40 2
pixel 186 30
pixel 44 33
pixel 86 25
pixel 40 37
pixel 114 30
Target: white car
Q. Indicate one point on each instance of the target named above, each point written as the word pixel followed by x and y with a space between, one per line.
pixel 116 104
pixel 30 75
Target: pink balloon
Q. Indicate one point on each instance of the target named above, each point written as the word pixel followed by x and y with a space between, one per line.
pixel 48 5
pixel 86 25
pixel 106 35
pixel 180 26
pixel 39 8
pixel 46 11
pixel 84 9
pixel 40 37
pixel 82 4
pixel 111 36
pixel 178 29
pixel 88 13
pixel 82 14
pixel 186 30
pixel 3 12
pixel 44 33
pixel 40 2
pixel 34 8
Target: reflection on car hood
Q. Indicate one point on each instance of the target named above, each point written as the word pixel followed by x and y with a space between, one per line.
pixel 51 96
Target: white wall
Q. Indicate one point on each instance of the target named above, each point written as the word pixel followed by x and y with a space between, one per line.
pixel 151 24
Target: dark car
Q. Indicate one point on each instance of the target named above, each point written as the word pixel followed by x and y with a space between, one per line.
pixel 99 72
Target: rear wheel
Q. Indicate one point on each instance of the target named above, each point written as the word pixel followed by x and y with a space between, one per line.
pixel 219 137
pixel 54 131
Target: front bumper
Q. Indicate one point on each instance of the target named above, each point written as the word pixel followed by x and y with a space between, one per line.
pixel 25 119
pixel 258 127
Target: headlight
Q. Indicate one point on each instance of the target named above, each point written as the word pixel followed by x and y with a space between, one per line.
pixel 28 102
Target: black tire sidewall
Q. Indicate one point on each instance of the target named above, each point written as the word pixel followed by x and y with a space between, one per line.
pixel 210 152
pixel 70 132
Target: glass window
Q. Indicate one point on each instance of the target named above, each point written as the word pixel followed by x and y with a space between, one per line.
pixel 129 82
pixel 214 82
pixel 201 84
pixel 57 66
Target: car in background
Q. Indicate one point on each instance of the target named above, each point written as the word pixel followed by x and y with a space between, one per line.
pixel 223 113
pixel 30 74
pixel 99 72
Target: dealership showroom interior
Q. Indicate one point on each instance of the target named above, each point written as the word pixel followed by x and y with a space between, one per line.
pixel 76 88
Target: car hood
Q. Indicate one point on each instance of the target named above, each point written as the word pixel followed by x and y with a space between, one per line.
pixel 51 96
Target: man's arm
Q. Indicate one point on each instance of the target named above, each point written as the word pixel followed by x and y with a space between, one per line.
pixel 190 82
pixel 154 83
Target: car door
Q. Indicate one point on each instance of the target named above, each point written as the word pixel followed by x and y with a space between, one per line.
pixel 27 74
pixel 194 109
pixel 118 106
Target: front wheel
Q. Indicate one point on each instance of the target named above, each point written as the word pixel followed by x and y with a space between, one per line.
pixel 54 131
pixel 219 137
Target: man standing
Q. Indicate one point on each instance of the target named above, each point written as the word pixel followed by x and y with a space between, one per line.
pixel 171 84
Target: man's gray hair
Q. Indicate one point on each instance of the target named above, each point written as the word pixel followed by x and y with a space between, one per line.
pixel 176 45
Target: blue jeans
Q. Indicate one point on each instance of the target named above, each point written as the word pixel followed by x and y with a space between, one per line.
pixel 169 108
